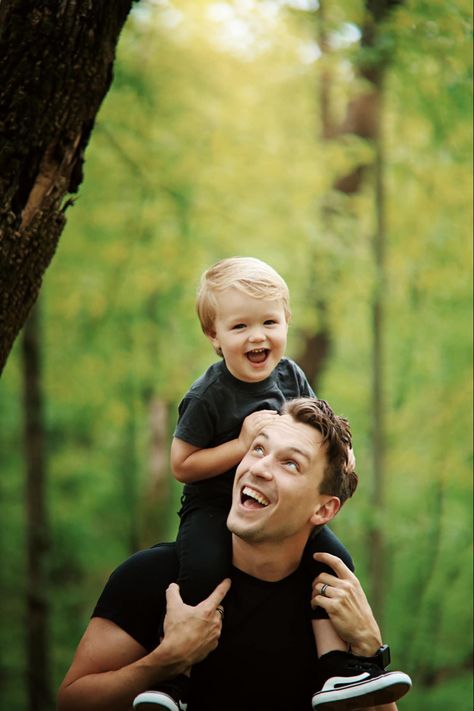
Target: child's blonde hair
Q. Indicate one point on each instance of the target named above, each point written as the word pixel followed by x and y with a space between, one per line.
pixel 252 276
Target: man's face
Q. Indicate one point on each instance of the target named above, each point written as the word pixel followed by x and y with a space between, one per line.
pixel 276 487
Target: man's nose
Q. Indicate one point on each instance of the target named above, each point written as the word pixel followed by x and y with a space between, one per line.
pixel 262 468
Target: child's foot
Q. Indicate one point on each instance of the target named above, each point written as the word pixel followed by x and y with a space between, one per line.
pixel 170 695
pixel 351 682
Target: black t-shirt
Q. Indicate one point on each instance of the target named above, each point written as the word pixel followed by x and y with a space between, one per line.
pixel 217 403
pixel 266 657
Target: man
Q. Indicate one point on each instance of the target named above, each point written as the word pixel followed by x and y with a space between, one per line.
pixel 263 658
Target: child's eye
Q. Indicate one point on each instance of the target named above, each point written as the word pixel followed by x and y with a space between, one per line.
pixel 270 322
pixel 238 326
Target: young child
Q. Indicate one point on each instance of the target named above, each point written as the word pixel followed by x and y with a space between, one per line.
pixel 243 307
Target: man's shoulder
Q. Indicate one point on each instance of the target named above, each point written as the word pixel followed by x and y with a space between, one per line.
pixel 137 569
pixel 134 595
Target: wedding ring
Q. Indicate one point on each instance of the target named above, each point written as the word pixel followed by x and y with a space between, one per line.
pixel 323 590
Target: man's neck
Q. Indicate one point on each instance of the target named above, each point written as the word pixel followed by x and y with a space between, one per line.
pixel 265 560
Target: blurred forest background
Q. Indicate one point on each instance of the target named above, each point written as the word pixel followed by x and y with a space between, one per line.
pixel 333 140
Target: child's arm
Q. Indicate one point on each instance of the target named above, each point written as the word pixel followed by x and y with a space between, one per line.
pixel 190 463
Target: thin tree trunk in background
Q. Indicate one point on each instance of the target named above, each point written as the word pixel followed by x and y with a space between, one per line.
pixel 37 642
pixel 129 467
pixel 363 119
pixel 378 558
pixel 316 348
pixel 155 507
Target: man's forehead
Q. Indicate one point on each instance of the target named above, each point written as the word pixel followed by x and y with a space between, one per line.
pixel 284 431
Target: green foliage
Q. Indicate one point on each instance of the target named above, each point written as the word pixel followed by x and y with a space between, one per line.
pixel 208 146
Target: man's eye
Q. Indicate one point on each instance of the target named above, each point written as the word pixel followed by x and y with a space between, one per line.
pixel 291 464
pixel 258 449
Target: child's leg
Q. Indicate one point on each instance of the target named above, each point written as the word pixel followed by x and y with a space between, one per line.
pixel 342 679
pixel 326 637
pixel 204 551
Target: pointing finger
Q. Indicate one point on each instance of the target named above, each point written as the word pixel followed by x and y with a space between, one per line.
pixel 216 597
pixel 340 568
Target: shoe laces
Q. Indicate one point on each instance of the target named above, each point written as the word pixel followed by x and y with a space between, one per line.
pixel 363 666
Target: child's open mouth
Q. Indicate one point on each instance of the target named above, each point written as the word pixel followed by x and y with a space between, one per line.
pixel 258 355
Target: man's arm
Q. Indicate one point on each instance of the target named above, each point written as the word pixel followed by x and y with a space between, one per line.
pixel 110 668
pixel 190 463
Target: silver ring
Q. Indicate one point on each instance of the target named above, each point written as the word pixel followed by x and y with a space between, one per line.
pixel 323 590
pixel 220 610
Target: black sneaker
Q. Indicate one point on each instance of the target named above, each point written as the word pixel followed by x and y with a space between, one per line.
pixel 170 695
pixel 351 682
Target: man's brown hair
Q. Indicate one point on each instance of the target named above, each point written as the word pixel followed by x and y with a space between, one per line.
pixel 340 478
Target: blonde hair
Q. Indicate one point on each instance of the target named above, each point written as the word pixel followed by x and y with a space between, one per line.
pixel 252 276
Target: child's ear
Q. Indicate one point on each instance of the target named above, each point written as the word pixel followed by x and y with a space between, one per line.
pixel 326 510
pixel 212 337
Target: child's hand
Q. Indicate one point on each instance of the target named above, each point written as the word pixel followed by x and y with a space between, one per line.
pixel 252 425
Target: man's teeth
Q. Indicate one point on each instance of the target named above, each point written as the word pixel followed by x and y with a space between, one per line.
pixel 256 495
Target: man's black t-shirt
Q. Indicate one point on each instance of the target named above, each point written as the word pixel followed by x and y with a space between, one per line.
pixel 266 657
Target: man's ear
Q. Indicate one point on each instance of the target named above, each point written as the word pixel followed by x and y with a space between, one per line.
pixel 326 510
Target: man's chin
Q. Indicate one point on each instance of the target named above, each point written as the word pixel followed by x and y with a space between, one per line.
pixel 243 530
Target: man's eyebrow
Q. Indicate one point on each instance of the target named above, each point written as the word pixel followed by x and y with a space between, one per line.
pixel 294 450
pixel 301 452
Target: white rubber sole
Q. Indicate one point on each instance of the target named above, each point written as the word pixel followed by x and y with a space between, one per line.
pixel 382 690
pixel 156 700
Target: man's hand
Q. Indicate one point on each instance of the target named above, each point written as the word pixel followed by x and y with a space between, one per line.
pixel 347 606
pixel 192 632
pixel 252 425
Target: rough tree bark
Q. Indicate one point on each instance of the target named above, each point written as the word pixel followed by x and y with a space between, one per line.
pixel 56 61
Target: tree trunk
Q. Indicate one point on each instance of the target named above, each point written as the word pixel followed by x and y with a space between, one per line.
pixel 155 506
pixel 378 557
pixel 363 119
pixel 56 61
pixel 37 536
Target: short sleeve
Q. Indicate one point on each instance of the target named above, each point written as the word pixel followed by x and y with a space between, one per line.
pixel 304 387
pixel 195 423
pixel 134 595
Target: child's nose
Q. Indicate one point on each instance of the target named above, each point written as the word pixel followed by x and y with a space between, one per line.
pixel 257 334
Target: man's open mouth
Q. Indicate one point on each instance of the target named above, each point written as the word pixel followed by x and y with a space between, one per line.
pixel 258 355
pixel 252 499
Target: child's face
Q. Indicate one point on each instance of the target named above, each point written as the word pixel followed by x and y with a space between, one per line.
pixel 251 334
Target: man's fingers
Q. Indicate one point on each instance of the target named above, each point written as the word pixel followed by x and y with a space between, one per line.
pixel 217 595
pixel 340 568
